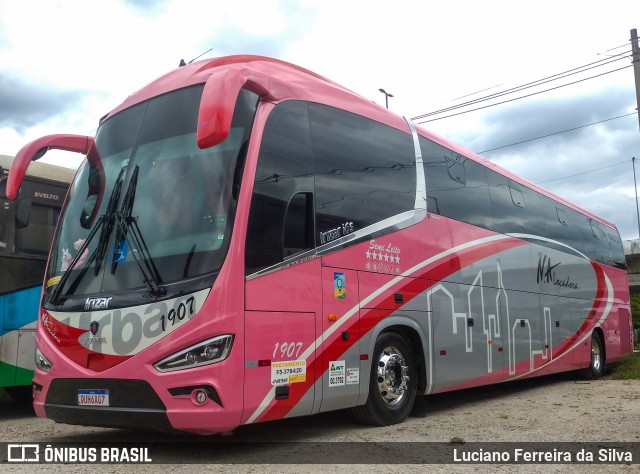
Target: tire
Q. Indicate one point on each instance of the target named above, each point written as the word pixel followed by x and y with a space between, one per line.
pixel 596 360
pixel 392 384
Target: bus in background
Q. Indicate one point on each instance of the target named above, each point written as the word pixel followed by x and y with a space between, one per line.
pixel 283 247
pixel 26 231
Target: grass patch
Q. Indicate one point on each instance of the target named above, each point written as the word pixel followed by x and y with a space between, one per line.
pixel 628 369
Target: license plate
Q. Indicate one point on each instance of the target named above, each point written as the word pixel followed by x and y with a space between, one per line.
pixel 93 398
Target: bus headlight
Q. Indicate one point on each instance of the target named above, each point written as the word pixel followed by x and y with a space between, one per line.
pixel 206 352
pixel 42 362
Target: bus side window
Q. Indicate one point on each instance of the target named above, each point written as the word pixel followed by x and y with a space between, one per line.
pixel 456 186
pixel 23 213
pixel 298 225
pixel 36 238
pixel 282 188
pixel 365 171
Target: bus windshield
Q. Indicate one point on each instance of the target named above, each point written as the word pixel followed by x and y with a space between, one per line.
pixel 149 207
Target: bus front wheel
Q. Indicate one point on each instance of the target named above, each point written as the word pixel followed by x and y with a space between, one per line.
pixel 392 384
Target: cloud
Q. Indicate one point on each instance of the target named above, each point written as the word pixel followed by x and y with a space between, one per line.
pixel 269 30
pixel 589 166
pixel 25 104
pixel 147 5
pixel 537 117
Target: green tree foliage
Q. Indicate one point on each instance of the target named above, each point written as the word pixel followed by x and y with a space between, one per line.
pixel 635 314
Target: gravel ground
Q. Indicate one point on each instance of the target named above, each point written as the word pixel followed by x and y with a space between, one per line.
pixel 552 409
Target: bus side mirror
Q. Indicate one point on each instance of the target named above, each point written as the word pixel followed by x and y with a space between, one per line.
pixel 23 213
pixel 36 149
pixel 219 99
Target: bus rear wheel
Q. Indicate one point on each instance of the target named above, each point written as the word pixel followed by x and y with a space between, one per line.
pixel 596 359
pixel 392 384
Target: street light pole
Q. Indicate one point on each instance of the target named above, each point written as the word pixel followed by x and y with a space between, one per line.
pixel 386 96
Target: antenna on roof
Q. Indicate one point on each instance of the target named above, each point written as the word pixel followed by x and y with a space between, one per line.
pixel 183 63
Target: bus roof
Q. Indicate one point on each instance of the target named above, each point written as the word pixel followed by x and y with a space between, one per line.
pixel 291 83
pixel 302 84
pixel 43 171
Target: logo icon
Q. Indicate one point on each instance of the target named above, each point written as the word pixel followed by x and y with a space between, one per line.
pixel 23 453
pixel 93 327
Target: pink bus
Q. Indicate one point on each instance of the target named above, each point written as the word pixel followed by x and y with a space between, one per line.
pixel 247 241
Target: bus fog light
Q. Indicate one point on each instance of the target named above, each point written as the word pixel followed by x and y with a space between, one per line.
pixel 42 362
pixel 206 352
pixel 200 396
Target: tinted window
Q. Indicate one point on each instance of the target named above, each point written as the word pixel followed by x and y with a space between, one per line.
pixel 365 171
pixel 615 246
pixel 564 225
pixel 516 208
pixel 352 171
pixel 36 238
pixel 456 186
pixel 285 169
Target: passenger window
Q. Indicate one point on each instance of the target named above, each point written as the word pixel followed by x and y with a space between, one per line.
pixel 455 168
pixel 456 186
pixel 283 184
pixel 364 171
pixel 36 238
pixel 562 216
pixel 298 225
pixel 516 195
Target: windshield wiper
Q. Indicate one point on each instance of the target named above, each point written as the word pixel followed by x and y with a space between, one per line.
pixel 55 296
pixel 111 217
pixel 127 223
pixel 105 224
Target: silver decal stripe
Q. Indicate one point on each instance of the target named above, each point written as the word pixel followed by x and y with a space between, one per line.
pixel 354 311
pixel 530 237
pixel 388 225
pixel 421 185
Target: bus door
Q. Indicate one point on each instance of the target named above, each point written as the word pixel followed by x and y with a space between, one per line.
pixel 281 329
pixel 341 339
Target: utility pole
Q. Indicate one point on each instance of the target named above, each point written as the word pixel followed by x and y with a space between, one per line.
pixel 636 68
pixel 635 185
pixel 636 72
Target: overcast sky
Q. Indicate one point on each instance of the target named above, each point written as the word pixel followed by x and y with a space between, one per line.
pixel 64 64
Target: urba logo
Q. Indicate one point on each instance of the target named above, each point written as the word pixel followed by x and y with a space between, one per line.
pixel 547 274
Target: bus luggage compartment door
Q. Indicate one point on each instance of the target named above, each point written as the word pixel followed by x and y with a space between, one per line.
pixel 341 339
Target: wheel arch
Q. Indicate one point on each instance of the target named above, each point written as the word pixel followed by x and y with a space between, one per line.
pixel 600 333
pixel 411 331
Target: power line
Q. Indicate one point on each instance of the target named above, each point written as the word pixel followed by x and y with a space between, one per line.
pixel 556 133
pixel 584 172
pixel 617 47
pixel 538 82
pixel 527 95
pixel 544 80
